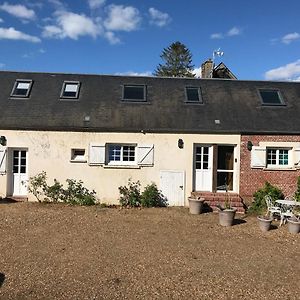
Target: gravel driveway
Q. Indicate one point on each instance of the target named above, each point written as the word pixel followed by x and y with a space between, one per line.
pixel 66 252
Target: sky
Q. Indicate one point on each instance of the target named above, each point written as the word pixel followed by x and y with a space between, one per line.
pixel 260 39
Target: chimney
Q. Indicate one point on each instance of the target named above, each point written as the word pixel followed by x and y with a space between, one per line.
pixel 207 69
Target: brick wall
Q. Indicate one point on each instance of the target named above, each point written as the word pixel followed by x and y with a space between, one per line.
pixel 253 179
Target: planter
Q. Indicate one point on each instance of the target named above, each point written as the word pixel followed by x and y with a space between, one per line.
pixel 264 223
pixel 293 225
pixel 196 205
pixel 226 216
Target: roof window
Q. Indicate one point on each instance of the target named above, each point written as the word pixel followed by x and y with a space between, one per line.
pixel 134 93
pixel 193 94
pixel 70 90
pixel 21 88
pixel 270 97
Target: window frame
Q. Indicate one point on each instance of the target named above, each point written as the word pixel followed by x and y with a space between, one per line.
pixel 17 81
pixel 282 103
pixel 120 162
pixel 78 158
pixel 277 165
pixel 144 86
pixel 200 101
pixel 65 83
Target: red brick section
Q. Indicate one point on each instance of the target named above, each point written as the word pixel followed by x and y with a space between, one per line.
pixel 253 179
pixel 215 199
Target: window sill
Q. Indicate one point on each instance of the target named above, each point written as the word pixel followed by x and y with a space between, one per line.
pixel 280 169
pixel 121 167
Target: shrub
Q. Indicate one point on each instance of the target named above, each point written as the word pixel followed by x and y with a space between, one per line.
pixel 297 193
pixel 130 195
pixel 37 185
pixel 259 203
pixel 54 192
pixel 152 197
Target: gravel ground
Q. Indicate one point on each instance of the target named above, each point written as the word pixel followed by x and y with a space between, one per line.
pixel 66 252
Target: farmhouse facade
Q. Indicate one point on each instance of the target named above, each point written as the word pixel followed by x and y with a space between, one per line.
pixel 186 135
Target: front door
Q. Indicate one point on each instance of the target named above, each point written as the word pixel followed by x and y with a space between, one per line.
pixel 19 172
pixel 172 187
pixel 225 168
pixel 203 168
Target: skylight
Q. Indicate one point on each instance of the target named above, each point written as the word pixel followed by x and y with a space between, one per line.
pixel 21 88
pixel 70 90
pixel 134 93
pixel 193 94
pixel 271 97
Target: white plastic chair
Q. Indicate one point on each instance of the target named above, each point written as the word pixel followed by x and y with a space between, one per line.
pixel 271 208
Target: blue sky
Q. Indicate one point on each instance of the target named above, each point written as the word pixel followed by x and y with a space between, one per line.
pixel 260 39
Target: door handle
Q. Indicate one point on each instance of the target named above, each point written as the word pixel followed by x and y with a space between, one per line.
pixel 181 186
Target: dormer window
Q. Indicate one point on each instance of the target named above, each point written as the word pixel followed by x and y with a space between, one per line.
pixel 21 88
pixel 134 93
pixel 70 90
pixel 271 97
pixel 193 94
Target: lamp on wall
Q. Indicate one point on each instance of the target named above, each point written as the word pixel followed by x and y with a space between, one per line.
pixel 3 140
pixel 180 143
pixel 249 145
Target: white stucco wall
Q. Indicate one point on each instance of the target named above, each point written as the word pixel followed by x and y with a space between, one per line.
pixel 51 152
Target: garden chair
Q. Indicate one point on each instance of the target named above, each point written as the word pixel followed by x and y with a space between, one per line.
pixel 271 208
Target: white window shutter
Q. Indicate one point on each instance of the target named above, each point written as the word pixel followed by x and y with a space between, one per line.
pixel 297 157
pixel 2 160
pixel 145 155
pixel 258 157
pixel 96 154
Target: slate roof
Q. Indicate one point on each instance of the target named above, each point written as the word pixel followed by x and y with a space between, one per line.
pixel 235 103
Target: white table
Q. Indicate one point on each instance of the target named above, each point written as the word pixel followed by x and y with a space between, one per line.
pixel 287 209
pixel 288 202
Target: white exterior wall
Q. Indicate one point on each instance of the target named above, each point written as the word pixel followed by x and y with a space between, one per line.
pixel 51 152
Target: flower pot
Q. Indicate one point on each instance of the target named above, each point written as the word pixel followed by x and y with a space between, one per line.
pixel 226 216
pixel 293 225
pixel 196 205
pixel 264 223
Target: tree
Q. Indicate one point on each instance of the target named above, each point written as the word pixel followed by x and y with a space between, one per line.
pixel 178 62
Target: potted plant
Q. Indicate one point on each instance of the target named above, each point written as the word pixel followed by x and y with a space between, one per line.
pixel 293 225
pixel 196 205
pixel 264 223
pixel 226 213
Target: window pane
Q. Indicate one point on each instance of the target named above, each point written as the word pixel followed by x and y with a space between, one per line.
pixel 134 92
pixel 114 153
pixel 23 85
pixel 224 179
pixel 225 157
pixel 283 157
pixel 271 156
pixel 192 94
pixel 270 97
pixel 128 153
pixel 21 88
pixel 70 90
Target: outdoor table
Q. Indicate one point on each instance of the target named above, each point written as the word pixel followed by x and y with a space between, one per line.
pixel 287 206
pixel 288 202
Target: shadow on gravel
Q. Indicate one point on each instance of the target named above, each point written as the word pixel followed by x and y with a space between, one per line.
pixel 239 221
pixel 2 278
pixel 7 201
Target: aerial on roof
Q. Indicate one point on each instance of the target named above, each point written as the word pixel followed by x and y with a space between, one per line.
pixel 75 102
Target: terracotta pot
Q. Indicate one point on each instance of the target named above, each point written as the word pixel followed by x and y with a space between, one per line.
pixel 293 225
pixel 196 205
pixel 264 223
pixel 226 216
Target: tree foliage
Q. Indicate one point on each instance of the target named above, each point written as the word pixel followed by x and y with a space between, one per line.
pixel 177 62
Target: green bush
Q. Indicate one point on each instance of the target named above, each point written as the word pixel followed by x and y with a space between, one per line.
pixel 152 197
pixel 259 204
pixel 37 185
pixel 130 196
pixel 297 193
pixel 54 192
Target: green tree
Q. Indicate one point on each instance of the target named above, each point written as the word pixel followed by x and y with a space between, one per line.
pixel 177 62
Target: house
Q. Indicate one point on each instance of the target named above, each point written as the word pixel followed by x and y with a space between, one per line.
pixel 190 136
pixel 209 70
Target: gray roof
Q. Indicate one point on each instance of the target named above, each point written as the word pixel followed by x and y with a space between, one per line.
pixel 235 103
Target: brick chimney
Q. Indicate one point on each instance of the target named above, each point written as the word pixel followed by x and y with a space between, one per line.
pixel 207 68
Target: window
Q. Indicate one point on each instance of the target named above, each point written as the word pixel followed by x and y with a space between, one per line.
pixel 277 157
pixel 271 97
pixel 121 154
pixel 70 90
pixel 78 155
pixel 193 94
pixel 134 92
pixel 21 88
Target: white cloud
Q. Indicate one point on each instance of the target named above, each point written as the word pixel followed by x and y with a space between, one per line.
pixel 19 11
pixel 95 3
pixel 234 31
pixel 290 37
pixel 197 72
pixel 2 65
pixel 216 36
pixel 112 38
pixel 71 25
pixel 158 18
pixel 122 18
pixel 13 34
pixel 131 73
pixel 289 72
pixel 1 20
